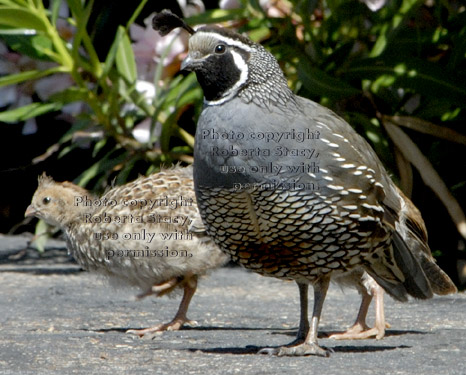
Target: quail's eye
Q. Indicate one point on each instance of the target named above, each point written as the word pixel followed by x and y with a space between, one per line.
pixel 220 48
pixel 46 200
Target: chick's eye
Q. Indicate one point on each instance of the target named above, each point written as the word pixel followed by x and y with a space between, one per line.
pixel 46 200
pixel 220 49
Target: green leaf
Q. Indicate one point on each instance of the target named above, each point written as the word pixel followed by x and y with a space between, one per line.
pixel 125 60
pixel 391 28
pixel 128 167
pixel 259 33
pixel 28 111
pixel 104 165
pixel 35 46
pixel 55 10
pixel 21 19
pixel 136 13
pixel 215 15
pixel 82 37
pixel 25 76
pixel 99 146
pixel 189 91
pixel 110 59
pixel 76 7
pixel 41 235
pixel 17 31
pixel 70 95
pixel 319 83
pixel 66 150
pixel 423 77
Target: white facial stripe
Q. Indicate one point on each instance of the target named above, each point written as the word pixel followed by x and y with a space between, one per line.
pixel 226 40
pixel 243 67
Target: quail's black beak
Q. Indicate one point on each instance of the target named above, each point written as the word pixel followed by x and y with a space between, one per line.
pixel 192 61
pixel 187 64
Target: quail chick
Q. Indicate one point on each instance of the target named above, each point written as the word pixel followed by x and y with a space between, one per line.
pixel 146 233
pixel 287 187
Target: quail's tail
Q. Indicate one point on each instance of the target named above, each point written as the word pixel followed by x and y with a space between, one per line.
pixel 415 236
pixel 440 282
pixel 403 277
pixel 416 281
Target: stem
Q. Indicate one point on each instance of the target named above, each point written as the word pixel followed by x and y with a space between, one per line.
pixel 65 57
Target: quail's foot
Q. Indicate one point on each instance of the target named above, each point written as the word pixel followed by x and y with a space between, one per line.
pixel 174 325
pixel 361 332
pixel 180 319
pixel 297 350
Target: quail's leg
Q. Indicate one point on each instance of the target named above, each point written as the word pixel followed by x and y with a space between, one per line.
pixel 310 345
pixel 304 317
pixel 303 329
pixel 380 323
pixel 180 318
pixel 360 330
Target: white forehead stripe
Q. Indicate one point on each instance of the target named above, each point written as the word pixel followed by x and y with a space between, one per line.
pixel 226 40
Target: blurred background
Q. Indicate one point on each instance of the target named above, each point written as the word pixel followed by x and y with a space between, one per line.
pixel 91 94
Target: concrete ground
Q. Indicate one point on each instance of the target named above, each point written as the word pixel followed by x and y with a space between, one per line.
pixel 56 319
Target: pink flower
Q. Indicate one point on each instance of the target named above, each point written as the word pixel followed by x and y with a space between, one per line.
pixel 149 46
pixel 19 95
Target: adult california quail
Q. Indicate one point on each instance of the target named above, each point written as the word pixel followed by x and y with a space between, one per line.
pixel 284 185
pixel 147 233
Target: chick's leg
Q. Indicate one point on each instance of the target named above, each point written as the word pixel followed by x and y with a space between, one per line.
pixel 360 330
pixel 180 319
pixel 310 345
pixel 161 289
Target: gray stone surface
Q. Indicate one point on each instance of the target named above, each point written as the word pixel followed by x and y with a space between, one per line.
pixel 55 319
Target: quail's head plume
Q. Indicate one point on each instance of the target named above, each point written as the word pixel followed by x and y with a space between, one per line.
pixel 287 187
pixel 165 248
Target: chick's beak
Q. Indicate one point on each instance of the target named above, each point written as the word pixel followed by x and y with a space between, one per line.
pixel 30 211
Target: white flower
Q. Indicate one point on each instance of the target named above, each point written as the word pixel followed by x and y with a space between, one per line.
pixel 141 132
pixel 229 4
pixel 191 7
pixel 147 89
pixel 374 5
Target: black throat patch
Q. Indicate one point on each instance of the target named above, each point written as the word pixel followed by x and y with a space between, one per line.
pixel 218 75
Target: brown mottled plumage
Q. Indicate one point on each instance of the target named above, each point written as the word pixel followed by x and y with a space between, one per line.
pixel 167 246
pixel 414 233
